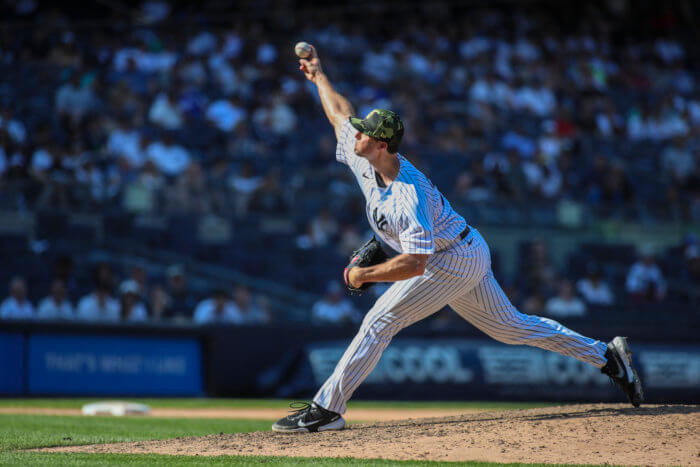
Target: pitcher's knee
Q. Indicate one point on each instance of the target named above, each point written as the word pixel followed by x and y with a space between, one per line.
pixel 512 329
pixel 505 337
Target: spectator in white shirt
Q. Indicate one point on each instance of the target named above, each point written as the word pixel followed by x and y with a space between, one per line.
pixel 244 184
pixel 217 309
pixel 250 311
pixel 333 308
pixel 550 146
pixel 170 158
pixel 100 305
pixel 277 117
pixel 42 161
pixel 544 179
pixel 16 306
pixel 225 75
pixel 668 50
pixel 139 274
pixel 491 90
pixel 131 306
pixel 165 112
pixel 141 59
pixel 320 230
pixel 324 227
pixel 56 305
pixel 202 44
pixel 15 129
pixel 677 161
pixel 536 99
pixel 645 281
pixel 225 114
pixel 519 140
pixel 593 289
pixel 74 99
pixel 125 142
pixel 88 173
pixel 565 304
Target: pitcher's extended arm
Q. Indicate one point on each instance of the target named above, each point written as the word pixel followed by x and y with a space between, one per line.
pixel 336 107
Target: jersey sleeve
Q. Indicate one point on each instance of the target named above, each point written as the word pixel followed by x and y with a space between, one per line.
pixel 416 231
pixel 345 149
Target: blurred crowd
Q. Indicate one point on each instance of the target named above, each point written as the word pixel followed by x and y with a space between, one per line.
pixel 136 299
pixel 541 289
pixel 184 111
pixel 631 276
pixel 218 119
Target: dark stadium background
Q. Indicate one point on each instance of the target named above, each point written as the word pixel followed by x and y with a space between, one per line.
pixel 567 132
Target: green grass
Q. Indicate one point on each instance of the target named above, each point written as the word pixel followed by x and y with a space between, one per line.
pixel 33 431
pixel 67 459
pixel 264 403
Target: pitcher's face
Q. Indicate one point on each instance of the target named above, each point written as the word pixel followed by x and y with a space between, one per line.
pixel 366 146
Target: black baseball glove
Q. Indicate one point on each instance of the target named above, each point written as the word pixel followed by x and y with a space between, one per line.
pixel 369 254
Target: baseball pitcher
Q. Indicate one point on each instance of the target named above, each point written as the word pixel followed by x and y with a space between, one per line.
pixel 442 261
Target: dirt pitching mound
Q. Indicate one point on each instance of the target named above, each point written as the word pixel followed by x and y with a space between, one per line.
pixel 586 434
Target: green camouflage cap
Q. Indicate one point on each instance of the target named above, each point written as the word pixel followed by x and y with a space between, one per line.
pixel 383 125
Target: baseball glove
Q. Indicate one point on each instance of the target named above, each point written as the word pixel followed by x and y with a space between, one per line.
pixel 369 254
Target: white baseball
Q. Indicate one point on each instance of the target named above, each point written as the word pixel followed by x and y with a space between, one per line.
pixel 302 49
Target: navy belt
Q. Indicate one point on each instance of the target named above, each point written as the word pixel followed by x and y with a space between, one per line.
pixel 458 239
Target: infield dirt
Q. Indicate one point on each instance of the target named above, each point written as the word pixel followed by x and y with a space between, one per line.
pixel 590 434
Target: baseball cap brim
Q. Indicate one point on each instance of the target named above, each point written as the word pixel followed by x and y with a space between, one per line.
pixel 360 124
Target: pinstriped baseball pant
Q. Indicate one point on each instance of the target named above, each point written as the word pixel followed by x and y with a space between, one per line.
pixel 460 277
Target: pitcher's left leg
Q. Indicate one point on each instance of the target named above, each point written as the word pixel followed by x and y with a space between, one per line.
pixel 488 308
pixel 404 303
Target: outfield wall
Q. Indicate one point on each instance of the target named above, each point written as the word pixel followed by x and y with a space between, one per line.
pixel 68 359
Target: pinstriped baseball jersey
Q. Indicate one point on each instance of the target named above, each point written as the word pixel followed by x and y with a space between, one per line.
pixel 410 215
